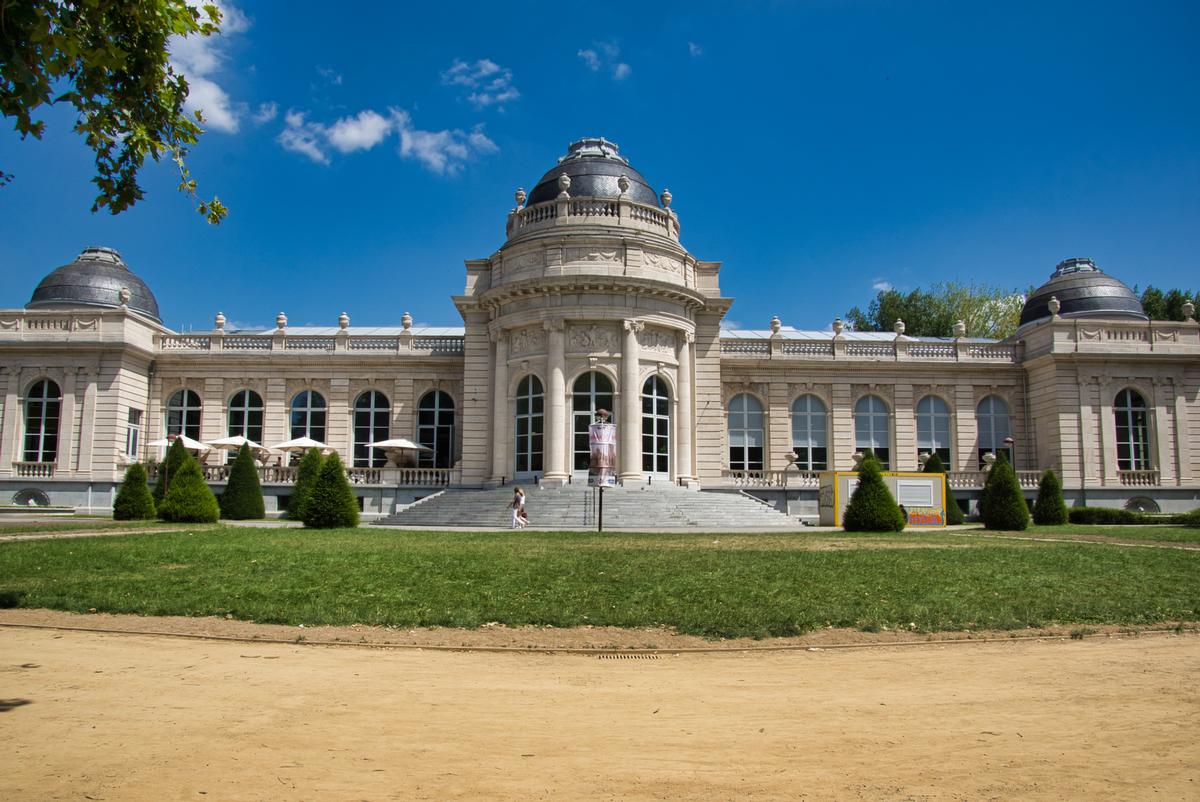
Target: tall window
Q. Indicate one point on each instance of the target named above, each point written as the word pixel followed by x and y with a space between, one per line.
pixel 933 428
pixel 372 416
pixel 991 418
pixel 308 416
pixel 435 429
pixel 590 392
pixel 133 434
pixel 1133 432
pixel 656 426
pixel 183 414
pixel 246 415
pixel 530 421
pixel 42 406
pixel 809 433
pixel 745 421
pixel 872 428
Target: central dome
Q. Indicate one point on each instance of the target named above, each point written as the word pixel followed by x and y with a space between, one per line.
pixel 594 165
pixel 97 277
pixel 1083 291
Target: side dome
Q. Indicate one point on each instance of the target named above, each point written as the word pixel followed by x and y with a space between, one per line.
pixel 95 278
pixel 594 166
pixel 1083 290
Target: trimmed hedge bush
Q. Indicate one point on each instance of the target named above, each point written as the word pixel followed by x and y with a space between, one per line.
pixel 1002 504
pixel 243 499
pixel 872 508
pixel 954 513
pixel 134 500
pixel 189 499
pixel 332 503
pixel 306 479
pixel 1191 519
pixel 176 456
pixel 1111 516
pixel 1050 507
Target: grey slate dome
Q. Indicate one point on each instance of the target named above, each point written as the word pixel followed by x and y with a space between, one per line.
pixel 594 166
pixel 1083 290
pixel 95 278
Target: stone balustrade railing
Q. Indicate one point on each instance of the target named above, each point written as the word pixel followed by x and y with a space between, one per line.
pixel 790 478
pixel 869 350
pixel 33 470
pixel 286 474
pixel 972 480
pixel 448 345
pixel 594 211
pixel 1144 478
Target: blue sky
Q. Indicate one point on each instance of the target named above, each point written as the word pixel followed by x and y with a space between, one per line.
pixel 820 150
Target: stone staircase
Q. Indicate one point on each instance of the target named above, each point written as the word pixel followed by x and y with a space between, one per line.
pixel 574 507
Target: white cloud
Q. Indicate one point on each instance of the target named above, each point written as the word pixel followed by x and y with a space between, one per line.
pixel 331 76
pixel 491 83
pixel 882 285
pixel 590 58
pixel 265 113
pixel 199 58
pixel 604 55
pixel 363 132
pixel 695 50
pixel 303 137
pixel 621 71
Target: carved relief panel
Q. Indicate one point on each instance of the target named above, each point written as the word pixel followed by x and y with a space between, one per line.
pixel 592 338
pixel 529 340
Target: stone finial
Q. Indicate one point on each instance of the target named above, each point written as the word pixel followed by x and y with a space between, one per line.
pixel 857 456
pixel 923 457
pixel 623 183
pixel 989 458
pixel 406 321
pixel 564 183
pixel 343 321
pixel 1053 305
pixel 219 321
pixel 898 327
pixel 281 321
pixel 124 295
pixel 838 326
pixel 1189 310
pixel 960 328
pixel 665 197
pixel 520 196
pixel 776 324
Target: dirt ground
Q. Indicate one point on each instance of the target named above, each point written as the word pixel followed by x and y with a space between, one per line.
pixel 101 715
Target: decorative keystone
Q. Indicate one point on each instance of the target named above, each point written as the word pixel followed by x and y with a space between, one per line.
pixel 281 321
pixel 520 196
pixel 343 321
pixel 1189 310
pixel 219 321
pixel 960 328
pixel 898 327
pixel 665 197
pixel 838 326
pixel 776 325
pixel 1053 305
pixel 406 321
pixel 124 295
pixel 623 183
pixel 564 183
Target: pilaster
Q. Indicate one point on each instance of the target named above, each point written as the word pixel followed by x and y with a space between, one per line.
pixel 683 417
pixel 629 432
pixel 500 462
pixel 555 439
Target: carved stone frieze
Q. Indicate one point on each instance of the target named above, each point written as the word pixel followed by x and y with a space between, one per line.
pixel 590 255
pixel 661 261
pixel 591 338
pixel 659 340
pixel 530 340
pixel 528 260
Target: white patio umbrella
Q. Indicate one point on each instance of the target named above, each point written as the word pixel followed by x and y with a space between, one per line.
pixel 188 443
pixel 235 443
pixel 299 444
pixel 396 446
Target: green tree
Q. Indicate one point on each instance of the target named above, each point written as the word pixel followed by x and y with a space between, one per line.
pixel 306 478
pixel 1002 504
pixel 189 499
pixel 1050 507
pixel 987 311
pixel 134 501
pixel 242 499
pixel 332 503
pixel 109 60
pixel 1168 305
pixel 872 508
pixel 176 456
pixel 954 515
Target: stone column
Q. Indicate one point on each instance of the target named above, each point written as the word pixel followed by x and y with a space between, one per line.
pixel 629 424
pixel 683 420
pixel 555 435
pixel 500 466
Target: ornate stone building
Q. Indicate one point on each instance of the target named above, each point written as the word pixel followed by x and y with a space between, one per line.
pixel 593 302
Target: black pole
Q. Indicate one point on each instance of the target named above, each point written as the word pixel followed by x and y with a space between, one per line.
pixel 600 512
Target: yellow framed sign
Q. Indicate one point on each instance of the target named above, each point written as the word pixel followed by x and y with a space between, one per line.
pixel 921 496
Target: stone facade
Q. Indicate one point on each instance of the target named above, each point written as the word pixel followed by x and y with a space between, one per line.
pixel 592 301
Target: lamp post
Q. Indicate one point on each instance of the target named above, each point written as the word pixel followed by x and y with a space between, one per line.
pixel 1011 445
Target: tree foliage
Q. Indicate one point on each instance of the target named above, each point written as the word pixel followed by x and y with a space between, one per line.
pixel 954 514
pixel 110 61
pixel 1050 507
pixel 189 499
pixel 134 501
pixel 1166 305
pixel 306 478
pixel 332 503
pixel 987 311
pixel 1002 504
pixel 872 508
pixel 243 499
pixel 176 456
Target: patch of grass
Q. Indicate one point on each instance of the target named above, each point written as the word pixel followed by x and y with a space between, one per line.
pixel 715 585
pixel 77 525
pixel 1163 534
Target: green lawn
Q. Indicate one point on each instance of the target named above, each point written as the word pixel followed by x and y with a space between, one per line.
pixel 80 525
pixel 714 585
pixel 1163 534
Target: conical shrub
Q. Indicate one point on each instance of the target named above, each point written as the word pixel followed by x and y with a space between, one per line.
pixel 1002 504
pixel 306 478
pixel 1050 507
pixel 176 456
pixel 243 499
pixel 134 500
pixel 872 508
pixel 332 503
pixel 188 499
pixel 954 514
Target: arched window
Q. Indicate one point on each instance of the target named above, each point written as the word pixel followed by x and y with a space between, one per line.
pixel 372 416
pixel 992 421
pixel 590 392
pixel 43 403
pixel 809 433
pixel 933 428
pixel 1133 432
pixel 530 420
pixel 308 416
pixel 745 421
pixel 183 414
pixel 246 415
pixel 872 428
pixel 656 426
pixel 435 429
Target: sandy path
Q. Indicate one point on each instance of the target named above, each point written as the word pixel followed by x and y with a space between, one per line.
pixel 132 717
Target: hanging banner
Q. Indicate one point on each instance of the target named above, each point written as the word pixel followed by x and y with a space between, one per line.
pixel 602 466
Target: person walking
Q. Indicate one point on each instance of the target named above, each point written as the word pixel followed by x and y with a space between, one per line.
pixel 519 518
